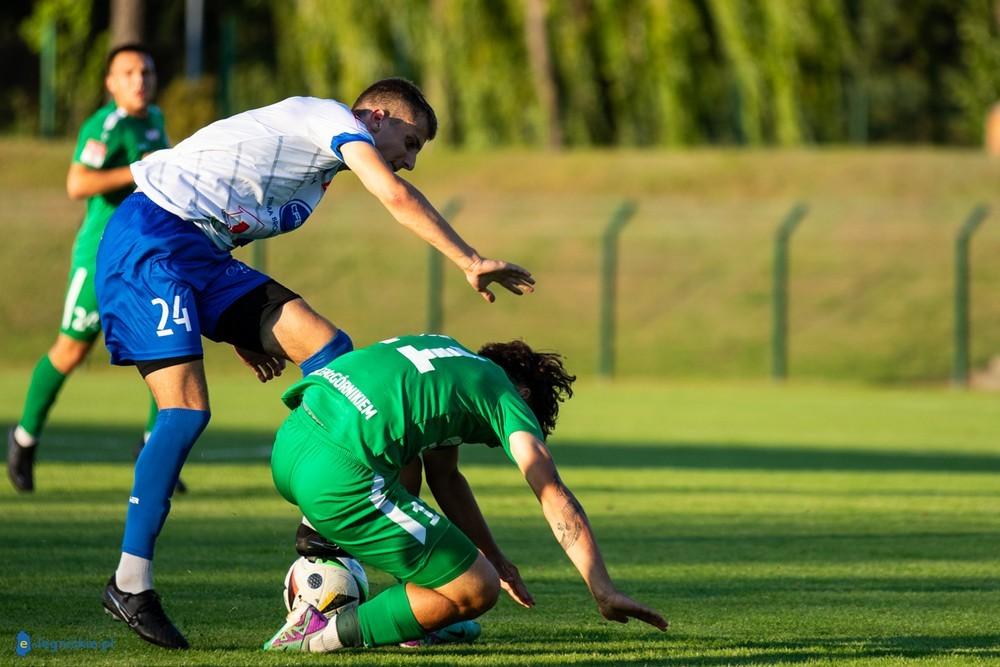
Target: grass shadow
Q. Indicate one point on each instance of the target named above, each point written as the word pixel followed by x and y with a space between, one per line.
pixel 70 443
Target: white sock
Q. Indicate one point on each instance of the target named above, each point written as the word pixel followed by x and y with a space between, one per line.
pixel 23 438
pixel 327 639
pixel 134 574
pixel 306 522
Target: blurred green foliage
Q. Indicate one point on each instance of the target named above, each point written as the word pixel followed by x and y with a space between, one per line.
pixel 79 54
pixel 622 72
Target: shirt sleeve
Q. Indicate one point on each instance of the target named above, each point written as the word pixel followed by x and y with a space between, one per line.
pixel 91 151
pixel 513 415
pixel 331 125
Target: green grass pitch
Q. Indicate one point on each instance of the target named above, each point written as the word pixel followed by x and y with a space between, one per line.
pixel 806 524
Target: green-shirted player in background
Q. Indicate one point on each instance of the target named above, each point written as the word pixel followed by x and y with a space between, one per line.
pixel 117 134
pixel 358 422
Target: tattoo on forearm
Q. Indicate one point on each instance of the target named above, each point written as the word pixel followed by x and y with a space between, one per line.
pixel 572 520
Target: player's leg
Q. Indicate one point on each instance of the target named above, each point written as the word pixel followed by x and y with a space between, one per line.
pixel 151 319
pixel 467 596
pixel 271 318
pixel 79 328
pixel 181 393
pixel 310 544
pixel 405 612
pixel 181 487
pixel 47 380
pixel 375 519
pixel 408 611
pixel 305 337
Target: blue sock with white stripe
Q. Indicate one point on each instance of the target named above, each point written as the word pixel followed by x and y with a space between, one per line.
pixel 156 472
pixel 338 345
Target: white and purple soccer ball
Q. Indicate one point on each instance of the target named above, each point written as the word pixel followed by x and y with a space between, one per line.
pixel 329 585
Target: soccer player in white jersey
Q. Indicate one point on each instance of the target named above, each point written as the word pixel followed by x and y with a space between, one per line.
pixel 165 276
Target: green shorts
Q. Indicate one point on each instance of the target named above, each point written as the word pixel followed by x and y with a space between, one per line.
pixel 367 513
pixel 79 318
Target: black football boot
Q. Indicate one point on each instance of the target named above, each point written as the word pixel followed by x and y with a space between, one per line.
pixel 20 464
pixel 144 614
pixel 312 545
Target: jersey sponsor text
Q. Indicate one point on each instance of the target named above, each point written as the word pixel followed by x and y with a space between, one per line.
pixel 343 384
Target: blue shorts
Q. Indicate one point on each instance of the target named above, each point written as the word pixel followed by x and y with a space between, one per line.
pixel 161 283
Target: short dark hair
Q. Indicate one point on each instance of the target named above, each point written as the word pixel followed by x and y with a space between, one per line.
pixel 121 48
pixel 394 90
pixel 542 373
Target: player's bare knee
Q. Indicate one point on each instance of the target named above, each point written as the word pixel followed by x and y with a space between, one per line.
pixel 487 597
pixel 480 590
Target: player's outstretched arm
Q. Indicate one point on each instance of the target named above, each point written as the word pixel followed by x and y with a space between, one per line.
pixel 455 497
pixel 571 528
pixel 412 210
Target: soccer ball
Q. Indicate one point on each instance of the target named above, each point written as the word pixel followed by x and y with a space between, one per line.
pixel 328 585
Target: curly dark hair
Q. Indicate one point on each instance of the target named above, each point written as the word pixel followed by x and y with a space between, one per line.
pixel 542 373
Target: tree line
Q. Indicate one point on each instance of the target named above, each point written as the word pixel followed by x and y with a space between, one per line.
pixel 569 73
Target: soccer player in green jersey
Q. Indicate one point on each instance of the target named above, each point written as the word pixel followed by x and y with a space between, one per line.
pixel 119 133
pixel 357 422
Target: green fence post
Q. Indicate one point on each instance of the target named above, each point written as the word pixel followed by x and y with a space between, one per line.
pixel 609 274
pixel 227 58
pixel 47 78
pixel 960 371
pixel 857 110
pixel 779 323
pixel 435 276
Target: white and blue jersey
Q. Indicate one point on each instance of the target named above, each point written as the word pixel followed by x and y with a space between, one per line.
pixel 165 274
pixel 254 175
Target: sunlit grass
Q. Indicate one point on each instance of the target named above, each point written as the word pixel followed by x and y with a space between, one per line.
pixel 773 525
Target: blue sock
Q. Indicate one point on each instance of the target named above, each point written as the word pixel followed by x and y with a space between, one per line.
pixel 156 472
pixel 340 344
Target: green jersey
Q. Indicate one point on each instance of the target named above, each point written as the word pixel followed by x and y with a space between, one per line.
pixel 389 402
pixel 111 138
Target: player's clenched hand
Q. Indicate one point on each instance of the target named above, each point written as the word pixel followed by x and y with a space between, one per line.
pixel 510 581
pixel 619 608
pixel 512 277
pixel 264 366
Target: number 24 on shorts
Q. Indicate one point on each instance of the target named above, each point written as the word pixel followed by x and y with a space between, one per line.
pixel 180 316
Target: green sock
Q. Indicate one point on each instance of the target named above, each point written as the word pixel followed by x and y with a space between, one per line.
pixel 151 418
pixel 386 619
pixel 46 382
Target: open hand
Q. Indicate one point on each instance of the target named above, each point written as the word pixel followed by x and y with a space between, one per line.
pixel 619 608
pixel 512 277
pixel 510 581
pixel 264 366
